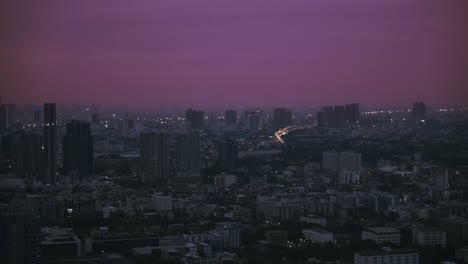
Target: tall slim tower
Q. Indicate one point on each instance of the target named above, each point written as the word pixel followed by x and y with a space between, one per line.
pixel 50 147
pixel 282 117
pixel 78 149
pixel 228 155
pixel 188 155
pixel 154 156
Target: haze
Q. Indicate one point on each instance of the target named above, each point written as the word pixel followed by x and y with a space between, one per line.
pixel 222 52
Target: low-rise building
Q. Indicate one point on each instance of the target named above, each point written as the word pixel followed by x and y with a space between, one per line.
pixel 382 234
pixel 317 235
pixel 429 236
pixel 387 256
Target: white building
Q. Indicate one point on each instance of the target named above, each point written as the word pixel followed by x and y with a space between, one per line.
pixel 382 234
pixel 161 202
pixel 317 235
pixel 314 219
pixel 387 256
pixel 429 236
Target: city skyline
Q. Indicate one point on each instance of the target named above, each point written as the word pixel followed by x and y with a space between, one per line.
pixel 243 53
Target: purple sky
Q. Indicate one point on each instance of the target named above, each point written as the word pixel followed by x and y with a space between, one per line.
pixel 215 52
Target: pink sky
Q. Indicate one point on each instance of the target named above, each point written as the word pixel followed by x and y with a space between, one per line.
pixel 215 52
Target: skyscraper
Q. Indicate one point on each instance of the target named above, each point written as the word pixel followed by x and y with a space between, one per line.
pixel 154 156
pixel 253 119
pixel 27 155
pixel 352 112
pixel 231 117
pixel 188 155
pixel 419 111
pixel 22 237
pixel 228 155
pixel 78 149
pixel 50 147
pixel 3 117
pixel 282 117
pixel 339 114
pixel 195 119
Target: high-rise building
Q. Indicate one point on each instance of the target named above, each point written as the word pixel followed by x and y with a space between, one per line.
pixel 253 119
pixel 419 111
pixel 154 156
pixel 228 155
pixel 11 114
pixel 331 161
pixel 195 119
pixel 339 114
pixel 3 117
pixel 282 117
pixel 78 149
pixel 37 115
pixel 352 112
pixel 22 237
pixel 27 155
pixel 188 155
pixel 50 144
pixel 231 117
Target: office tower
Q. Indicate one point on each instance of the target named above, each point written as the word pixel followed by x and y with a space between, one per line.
pixel 228 154
pixel 352 112
pixel 253 119
pixel 27 155
pixel 282 117
pixel 195 119
pixel 441 179
pixel 22 237
pixel 188 155
pixel 11 114
pixel 50 147
pixel 78 149
pixel 212 120
pixel 37 115
pixel 419 111
pixel 231 117
pixel 350 161
pixel 3 117
pixel 154 156
pixel 339 114
pixel 328 115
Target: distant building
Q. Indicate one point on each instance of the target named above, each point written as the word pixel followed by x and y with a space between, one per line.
pixel 59 242
pixel 161 203
pixel 226 235
pixel 188 155
pixel 429 236
pixel 154 156
pixel 225 180
pixel 231 117
pixel 317 235
pixel 352 112
pixel 350 161
pixel 276 236
pixel 27 155
pixel 349 177
pixel 314 219
pixel 78 149
pixel 253 119
pixel 419 111
pixel 456 228
pixel 382 234
pixel 331 161
pixel 195 119
pixel 282 117
pixel 228 154
pixel 21 238
pixel 387 256
pixel 50 144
